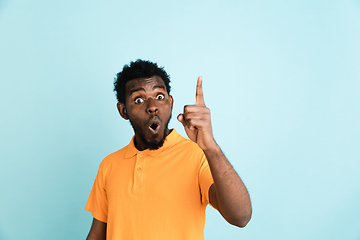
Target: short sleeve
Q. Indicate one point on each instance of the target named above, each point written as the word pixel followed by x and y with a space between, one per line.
pixel 205 179
pixel 97 202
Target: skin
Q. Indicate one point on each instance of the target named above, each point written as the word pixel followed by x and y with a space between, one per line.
pixel 228 194
pixel 147 102
pixel 146 98
pixel 97 230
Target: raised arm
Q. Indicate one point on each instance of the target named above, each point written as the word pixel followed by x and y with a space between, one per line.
pixel 97 230
pixel 228 194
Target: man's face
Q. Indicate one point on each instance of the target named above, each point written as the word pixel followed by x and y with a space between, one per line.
pixel 148 107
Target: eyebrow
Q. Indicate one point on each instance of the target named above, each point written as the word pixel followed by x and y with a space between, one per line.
pixel 142 89
pixel 136 90
pixel 159 86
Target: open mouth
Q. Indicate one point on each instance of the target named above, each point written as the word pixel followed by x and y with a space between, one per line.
pixel 154 127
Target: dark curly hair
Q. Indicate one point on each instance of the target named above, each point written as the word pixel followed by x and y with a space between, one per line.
pixel 138 69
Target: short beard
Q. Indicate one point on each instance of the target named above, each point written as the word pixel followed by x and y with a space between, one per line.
pixel 153 144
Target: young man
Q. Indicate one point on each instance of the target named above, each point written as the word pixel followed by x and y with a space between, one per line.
pixel 159 185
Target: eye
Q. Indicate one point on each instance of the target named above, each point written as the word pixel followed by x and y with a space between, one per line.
pixel 138 100
pixel 160 96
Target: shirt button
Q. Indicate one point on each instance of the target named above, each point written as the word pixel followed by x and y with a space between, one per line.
pixel 141 155
pixel 139 169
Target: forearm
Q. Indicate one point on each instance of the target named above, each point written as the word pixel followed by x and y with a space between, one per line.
pixel 232 197
pixel 228 193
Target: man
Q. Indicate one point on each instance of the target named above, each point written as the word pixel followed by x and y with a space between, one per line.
pixel 159 185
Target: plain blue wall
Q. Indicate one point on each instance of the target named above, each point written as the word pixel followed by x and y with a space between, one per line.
pixel 282 80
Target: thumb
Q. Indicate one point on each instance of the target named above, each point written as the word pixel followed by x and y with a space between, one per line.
pixel 181 119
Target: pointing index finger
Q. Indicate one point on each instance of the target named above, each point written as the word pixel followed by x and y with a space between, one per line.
pixel 199 93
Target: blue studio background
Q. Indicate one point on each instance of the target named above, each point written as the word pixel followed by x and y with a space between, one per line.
pixel 282 80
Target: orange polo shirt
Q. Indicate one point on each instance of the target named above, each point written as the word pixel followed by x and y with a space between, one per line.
pixel 153 194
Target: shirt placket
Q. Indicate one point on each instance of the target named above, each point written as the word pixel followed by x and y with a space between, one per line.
pixel 139 171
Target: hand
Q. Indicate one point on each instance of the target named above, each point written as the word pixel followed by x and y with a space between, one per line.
pixel 197 121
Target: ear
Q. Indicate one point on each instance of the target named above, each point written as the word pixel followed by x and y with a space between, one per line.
pixel 171 101
pixel 122 110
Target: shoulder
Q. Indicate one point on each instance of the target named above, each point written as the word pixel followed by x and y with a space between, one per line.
pixel 188 143
pixel 186 146
pixel 113 158
pixel 174 138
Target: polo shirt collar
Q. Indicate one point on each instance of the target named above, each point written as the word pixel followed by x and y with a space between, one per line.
pixel 170 140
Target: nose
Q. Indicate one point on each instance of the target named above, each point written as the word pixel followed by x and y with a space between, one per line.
pixel 151 106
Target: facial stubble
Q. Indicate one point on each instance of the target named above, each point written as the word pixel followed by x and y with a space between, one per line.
pixel 152 144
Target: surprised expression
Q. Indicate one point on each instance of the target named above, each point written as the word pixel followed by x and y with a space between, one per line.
pixel 148 107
